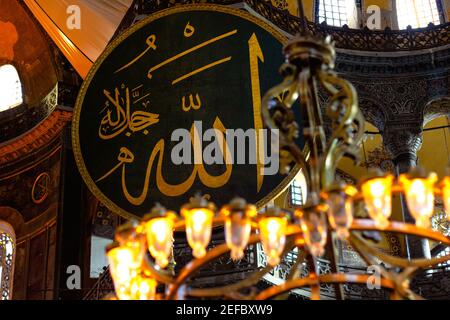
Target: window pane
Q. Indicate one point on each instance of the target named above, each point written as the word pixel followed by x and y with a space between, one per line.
pixel 416 13
pixel 7 247
pixel 334 12
pixel 98 256
pixel 11 88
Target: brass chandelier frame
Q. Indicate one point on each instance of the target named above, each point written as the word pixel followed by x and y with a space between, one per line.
pixel 308 69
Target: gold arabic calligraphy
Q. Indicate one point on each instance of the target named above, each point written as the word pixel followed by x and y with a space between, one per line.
pixel 120 118
pixel 173 190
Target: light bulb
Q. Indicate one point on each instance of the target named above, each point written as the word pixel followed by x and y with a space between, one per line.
pixel 238 215
pixel 160 239
pixel 122 273
pixel 378 199
pixel 133 240
pixel 419 193
pixel 198 215
pixel 273 237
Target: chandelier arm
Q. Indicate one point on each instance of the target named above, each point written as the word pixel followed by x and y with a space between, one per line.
pixel 400 262
pixel 401 280
pixel 339 278
pixel 149 267
pixel 289 130
pixel 348 128
pixel 361 248
pixel 220 291
pixel 315 291
pixel 402 228
pixel 196 265
pixel 249 281
pixel 315 137
pixel 295 270
pixel 347 92
pixel 274 94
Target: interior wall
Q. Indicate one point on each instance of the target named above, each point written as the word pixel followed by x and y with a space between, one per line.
pixel 35 265
pixel 388 16
pixel 32 212
pixel 446 7
pixel 23 45
pixel 292 6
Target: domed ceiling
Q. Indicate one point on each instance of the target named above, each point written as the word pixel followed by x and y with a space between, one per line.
pixel 23 45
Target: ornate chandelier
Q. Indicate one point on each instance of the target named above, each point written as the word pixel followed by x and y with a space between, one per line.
pixel 140 258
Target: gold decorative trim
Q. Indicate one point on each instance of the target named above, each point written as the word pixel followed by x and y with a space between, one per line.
pixel 115 43
pixel 42 176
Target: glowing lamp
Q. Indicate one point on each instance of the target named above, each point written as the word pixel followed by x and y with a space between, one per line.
pixel 419 193
pixel 198 215
pixel 159 226
pixel 376 189
pixel 130 237
pixel 120 261
pixel 446 195
pixel 272 227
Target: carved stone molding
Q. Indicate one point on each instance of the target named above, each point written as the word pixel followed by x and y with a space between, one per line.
pixel 407 63
pixel 436 108
pixel 379 158
pixel 353 39
pixel 372 112
pixel 394 96
pixel 400 140
pixel 35 139
pixel 16 121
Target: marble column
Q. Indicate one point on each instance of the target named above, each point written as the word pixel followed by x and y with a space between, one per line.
pixel 403 141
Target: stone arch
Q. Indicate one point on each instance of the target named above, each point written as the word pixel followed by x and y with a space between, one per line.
pixel 436 108
pixel 10 81
pixel 12 217
pixel 373 112
pixel 7 257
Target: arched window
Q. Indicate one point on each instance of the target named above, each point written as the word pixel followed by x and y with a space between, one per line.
pixel 298 190
pixel 417 13
pixel 336 12
pixel 11 88
pixel 7 254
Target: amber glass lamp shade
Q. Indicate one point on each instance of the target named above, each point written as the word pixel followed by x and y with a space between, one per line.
pixel 419 193
pixel 313 222
pixel 120 265
pixel 238 225
pixel 198 215
pixel 340 209
pixel 377 193
pixel 272 228
pixel 159 226
pixel 446 195
pixel 131 238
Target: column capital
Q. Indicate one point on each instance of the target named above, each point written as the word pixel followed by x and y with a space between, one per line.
pixel 403 141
